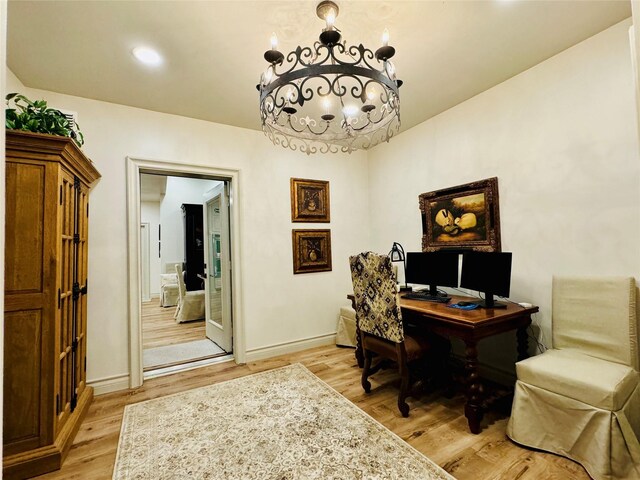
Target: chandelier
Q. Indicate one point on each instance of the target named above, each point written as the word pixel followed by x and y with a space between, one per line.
pixel 329 97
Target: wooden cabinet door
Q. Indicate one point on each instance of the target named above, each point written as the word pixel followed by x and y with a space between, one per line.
pixel 30 304
pixel 82 275
pixel 64 324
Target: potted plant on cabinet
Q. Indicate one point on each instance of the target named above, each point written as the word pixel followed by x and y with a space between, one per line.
pixel 36 116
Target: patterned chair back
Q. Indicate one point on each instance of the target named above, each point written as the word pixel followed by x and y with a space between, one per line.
pixel 374 289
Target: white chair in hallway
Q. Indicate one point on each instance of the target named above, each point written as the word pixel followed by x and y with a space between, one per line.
pixel 191 305
pixel 169 290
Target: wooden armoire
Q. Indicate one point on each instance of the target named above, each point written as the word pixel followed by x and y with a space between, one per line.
pixel 45 304
pixel 193 246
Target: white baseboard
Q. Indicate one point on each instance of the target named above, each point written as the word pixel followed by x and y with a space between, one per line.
pixel 121 382
pixel 289 347
pixel 110 384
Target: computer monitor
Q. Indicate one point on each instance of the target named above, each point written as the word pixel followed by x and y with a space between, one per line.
pixel 488 272
pixel 433 269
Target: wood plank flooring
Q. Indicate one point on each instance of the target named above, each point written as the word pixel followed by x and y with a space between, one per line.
pixel 159 327
pixel 436 425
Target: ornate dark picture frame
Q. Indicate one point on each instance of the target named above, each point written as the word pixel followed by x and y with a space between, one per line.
pixel 311 251
pixel 465 217
pixel 310 200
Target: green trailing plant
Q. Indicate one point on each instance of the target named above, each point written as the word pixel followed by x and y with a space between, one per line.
pixel 34 116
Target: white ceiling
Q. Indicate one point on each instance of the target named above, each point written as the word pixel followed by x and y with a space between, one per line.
pixel 447 51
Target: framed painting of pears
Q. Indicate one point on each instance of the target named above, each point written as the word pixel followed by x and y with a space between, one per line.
pixel 465 217
pixel 309 200
pixel 311 251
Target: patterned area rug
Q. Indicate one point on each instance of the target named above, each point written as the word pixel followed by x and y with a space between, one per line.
pixel 282 424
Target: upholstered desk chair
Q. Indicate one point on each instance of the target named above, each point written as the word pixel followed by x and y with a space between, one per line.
pixel 191 305
pixel 581 399
pixel 380 321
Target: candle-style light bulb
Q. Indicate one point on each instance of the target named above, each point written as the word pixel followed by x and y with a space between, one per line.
pixel 385 38
pixel 371 94
pixel 289 95
pixel 326 103
pixel 331 19
pixel 274 41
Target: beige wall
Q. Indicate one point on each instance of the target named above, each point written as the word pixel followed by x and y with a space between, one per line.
pixel 561 138
pixel 634 34
pixel 278 306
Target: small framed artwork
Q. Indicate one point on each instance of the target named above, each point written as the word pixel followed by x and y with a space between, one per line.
pixel 311 251
pixel 309 200
pixel 465 217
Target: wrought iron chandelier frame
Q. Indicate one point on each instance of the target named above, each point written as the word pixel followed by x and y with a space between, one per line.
pixel 320 71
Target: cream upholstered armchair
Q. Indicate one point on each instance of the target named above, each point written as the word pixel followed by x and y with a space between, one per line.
pixel 190 304
pixel 581 399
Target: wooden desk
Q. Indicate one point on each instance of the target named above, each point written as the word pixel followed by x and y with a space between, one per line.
pixel 470 326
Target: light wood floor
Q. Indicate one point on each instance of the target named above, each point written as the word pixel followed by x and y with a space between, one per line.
pixel 159 327
pixel 436 426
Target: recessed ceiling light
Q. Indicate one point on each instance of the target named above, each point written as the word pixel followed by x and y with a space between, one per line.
pixel 147 56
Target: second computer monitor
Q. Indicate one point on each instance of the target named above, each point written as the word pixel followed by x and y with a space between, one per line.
pixel 433 269
pixel 488 272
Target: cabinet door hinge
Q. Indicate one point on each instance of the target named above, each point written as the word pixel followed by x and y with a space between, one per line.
pixel 76 291
pixel 76 183
pixel 74 345
pixel 76 238
pixel 83 290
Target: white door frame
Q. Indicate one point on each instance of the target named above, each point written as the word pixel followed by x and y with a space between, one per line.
pixel 144 258
pixel 136 166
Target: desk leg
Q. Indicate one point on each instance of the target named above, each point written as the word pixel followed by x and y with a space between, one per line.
pixel 473 408
pixel 523 343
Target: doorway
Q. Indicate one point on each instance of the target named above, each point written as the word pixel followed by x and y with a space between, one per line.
pixel 218 322
pixel 185 315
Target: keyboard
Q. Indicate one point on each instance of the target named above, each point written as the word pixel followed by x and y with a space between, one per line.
pixel 425 297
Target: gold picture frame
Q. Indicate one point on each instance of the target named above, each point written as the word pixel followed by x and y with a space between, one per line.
pixel 310 200
pixel 464 217
pixel 311 251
